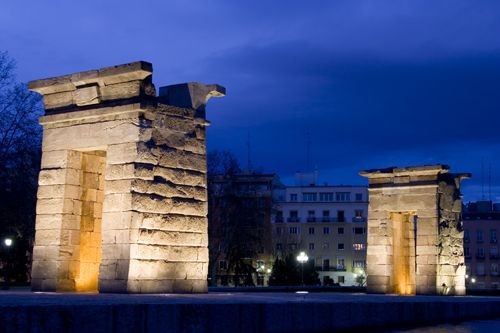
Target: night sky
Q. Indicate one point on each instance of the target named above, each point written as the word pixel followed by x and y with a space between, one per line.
pixel 375 83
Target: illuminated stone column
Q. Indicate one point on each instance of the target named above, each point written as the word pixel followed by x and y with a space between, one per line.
pixel 415 231
pixel 122 198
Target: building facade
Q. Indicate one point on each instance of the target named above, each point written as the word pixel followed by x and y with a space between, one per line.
pixel 328 223
pixel 481 226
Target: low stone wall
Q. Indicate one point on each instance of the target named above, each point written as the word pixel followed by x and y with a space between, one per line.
pixel 236 312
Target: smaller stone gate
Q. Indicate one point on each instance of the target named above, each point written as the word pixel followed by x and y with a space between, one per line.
pixel 415 236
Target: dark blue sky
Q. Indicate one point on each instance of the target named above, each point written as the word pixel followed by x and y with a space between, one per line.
pixel 375 83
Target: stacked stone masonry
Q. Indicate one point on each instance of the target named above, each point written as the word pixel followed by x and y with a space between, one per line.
pixel 122 200
pixel 415 236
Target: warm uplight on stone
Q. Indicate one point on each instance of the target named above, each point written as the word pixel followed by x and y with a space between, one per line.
pixel 415 236
pixel 122 187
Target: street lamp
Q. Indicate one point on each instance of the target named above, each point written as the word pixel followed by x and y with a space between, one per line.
pixel 302 258
pixel 473 280
pixel 8 244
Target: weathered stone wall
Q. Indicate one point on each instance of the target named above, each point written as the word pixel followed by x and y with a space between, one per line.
pixel 419 194
pixel 149 175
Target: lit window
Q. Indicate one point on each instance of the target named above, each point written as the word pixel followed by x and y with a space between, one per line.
pixel 358 264
pixel 358 246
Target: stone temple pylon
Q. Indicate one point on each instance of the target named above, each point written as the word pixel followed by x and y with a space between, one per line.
pixel 415 235
pixel 122 201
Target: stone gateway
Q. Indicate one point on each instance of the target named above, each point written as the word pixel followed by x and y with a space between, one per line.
pixel 415 236
pixel 122 201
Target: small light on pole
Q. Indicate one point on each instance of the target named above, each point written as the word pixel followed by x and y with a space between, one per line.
pixel 473 280
pixel 302 258
pixel 7 242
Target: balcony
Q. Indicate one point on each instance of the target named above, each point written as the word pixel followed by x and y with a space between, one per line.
pixel 278 219
pixel 493 241
pixel 293 219
pixel 326 219
pixel 312 219
pixel 359 219
pixel 493 256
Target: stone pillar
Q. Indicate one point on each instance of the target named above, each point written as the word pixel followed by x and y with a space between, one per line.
pixel 421 204
pixel 122 198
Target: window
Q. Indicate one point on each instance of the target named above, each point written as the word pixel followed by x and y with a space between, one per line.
pixel 340 279
pixel 279 216
pixel 326 231
pixel 493 252
pixel 358 246
pixel 466 236
pixel 311 246
pixel 326 196
pixel 340 246
pixel 479 236
pixel 222 264
pixel 293 197
pixel 494 268
pixel 493 236
pixel 358 213
pixel 309 196
pixel 326 264
pixel 359 196
pixel 358 231
pixel 326 213
pixel 279 246
pixel 480 252
pixel 311 216
pixel 340 263
pixel 294 230
pixel 466 252
pixel 480 269
pixel 279 231
pixel 311 231
pixel 294 216
pixel 340 216
pixel 343 196
pixel 340 231
pixel 358 264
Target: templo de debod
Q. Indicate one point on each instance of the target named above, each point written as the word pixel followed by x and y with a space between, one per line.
pixel 415 236
pixel 122 201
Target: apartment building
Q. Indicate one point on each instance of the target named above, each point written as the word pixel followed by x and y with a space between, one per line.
pixel 481 226
pixel 328 223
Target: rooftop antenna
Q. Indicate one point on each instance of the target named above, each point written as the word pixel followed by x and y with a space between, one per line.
pixel 308 152
pixel 482 179
pixel 249 161
pixel 489 181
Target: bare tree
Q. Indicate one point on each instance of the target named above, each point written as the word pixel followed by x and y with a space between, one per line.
pixel 20 139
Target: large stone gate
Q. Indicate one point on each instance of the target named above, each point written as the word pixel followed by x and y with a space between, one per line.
pixel 122 187
pixel 415 236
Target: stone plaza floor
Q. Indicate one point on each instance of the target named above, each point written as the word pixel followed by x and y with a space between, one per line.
pixel 24 311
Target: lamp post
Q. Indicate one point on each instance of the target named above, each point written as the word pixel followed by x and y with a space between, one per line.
pixel 302 258
pixel 8 243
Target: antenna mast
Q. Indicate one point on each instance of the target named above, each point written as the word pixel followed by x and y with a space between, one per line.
pixel 308 152
pixel 482 179
pixel 249 161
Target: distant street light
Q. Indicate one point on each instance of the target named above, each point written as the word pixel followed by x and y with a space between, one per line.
pixel 8 244
pixel 473 280
pixel 302 258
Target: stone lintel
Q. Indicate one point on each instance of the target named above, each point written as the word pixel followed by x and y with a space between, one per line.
pixel 422 170
pixel 91 114
pixel 134 71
